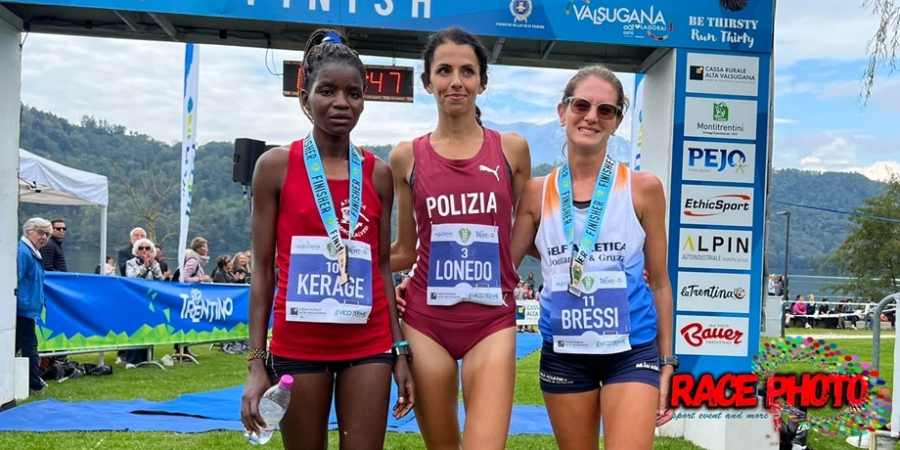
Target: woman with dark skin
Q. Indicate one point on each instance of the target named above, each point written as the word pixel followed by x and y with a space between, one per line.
pixel 350 362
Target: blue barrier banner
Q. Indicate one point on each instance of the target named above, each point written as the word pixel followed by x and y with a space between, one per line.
pixel 87 312
pixel 699 24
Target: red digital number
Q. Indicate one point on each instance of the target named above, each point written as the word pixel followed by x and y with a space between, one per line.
pixel 379 82
pixel 299 79
pixel 399 78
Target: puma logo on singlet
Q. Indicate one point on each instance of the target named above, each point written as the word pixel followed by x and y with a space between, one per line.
pixel 484 168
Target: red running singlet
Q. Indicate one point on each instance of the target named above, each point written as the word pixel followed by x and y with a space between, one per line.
pixel 298 216
pixel 459 191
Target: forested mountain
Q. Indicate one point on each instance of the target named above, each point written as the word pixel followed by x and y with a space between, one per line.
pixel 144 191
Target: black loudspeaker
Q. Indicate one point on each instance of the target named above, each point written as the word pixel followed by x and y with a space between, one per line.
pixel 246 152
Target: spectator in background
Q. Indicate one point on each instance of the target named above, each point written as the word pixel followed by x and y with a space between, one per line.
pixel 222 272
pixel 30 295
pixel 125 253
pixel 53 255
pixel 108 269
pixel 143 265
pixel 163 265
pixel 241 268
pixel 194 259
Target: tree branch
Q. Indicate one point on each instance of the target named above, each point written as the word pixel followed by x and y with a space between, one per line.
pixel 882 48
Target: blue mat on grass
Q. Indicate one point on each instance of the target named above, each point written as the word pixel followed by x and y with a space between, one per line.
pixel 211 411
pixel 54 415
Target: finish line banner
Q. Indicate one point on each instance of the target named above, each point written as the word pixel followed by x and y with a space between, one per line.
pixel 93 312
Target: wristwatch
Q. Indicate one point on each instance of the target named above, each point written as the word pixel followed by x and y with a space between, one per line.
pixel 669 361
pixel 403 350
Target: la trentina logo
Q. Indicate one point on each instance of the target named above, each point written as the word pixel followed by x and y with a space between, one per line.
pixel 834 380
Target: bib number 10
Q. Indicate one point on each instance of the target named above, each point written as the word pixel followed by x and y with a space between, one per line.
pixel 332 267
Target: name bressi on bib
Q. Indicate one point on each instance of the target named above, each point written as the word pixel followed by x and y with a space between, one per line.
pixel 315 292
pixel 597 322
pixel 464 265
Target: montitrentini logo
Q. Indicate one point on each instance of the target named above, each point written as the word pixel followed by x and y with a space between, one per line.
pixel 720 112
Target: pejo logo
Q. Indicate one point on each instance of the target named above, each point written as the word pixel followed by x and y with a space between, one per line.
pixel 718 159
pixel 695 334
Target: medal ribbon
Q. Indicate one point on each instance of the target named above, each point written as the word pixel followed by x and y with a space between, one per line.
pixel 594 218
pixel 324 203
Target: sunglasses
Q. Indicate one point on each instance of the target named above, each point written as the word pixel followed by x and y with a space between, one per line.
pixel 143 248
pixel 60 228
pixel 605 111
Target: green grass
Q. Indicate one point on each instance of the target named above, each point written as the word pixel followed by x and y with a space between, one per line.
pixel 219 370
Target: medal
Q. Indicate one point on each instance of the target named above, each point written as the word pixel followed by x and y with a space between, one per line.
pixel 342 265
pixel 315 172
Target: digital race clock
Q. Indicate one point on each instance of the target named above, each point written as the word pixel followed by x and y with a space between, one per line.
pixel 383 83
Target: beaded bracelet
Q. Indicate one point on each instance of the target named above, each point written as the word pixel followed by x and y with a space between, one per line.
pixel 256 353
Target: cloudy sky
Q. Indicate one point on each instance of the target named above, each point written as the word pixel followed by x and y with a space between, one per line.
pixel 820 54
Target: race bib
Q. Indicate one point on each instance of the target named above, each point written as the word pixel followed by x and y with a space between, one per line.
pixel 598 321
pixel 464 265
pixel 314 291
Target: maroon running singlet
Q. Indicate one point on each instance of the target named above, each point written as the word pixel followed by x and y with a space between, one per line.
pixel 464 213
pixel 298 216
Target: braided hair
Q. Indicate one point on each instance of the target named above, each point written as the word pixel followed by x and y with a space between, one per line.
pixel 324 46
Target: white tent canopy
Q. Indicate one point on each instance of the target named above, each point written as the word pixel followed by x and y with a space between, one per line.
pixel 44 181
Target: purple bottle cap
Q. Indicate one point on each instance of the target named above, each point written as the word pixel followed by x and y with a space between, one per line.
pixel 286 382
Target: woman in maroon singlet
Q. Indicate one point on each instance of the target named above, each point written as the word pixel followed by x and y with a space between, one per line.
pixel 316 204
pixel 456 190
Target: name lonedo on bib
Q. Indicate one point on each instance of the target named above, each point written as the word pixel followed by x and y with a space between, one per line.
pixel 315 292
pixel 464 265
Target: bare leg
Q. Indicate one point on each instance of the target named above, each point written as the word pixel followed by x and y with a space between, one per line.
pixel 305 425
pixel 489 376
pixel 361 400
pixel 575 419
pixel 436 376
pixel 629 415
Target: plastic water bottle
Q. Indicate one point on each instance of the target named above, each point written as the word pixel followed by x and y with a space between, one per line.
pixel 272 407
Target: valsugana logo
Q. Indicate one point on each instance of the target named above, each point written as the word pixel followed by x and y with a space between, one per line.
pixel 836 381
pixel 651 21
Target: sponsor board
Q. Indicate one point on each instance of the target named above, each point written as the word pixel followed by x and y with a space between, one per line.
pixel 713 292
pixel 716 205
pixel 718 161
pixel 714 249
pixel 711 336
pixel 720 118
pixel 722 74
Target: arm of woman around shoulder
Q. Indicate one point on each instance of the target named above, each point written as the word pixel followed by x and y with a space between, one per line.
pixel 384 185
pixel 652 213
pixel 528 216
pixel 403 249
pixel 515 147
pixel 266 187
